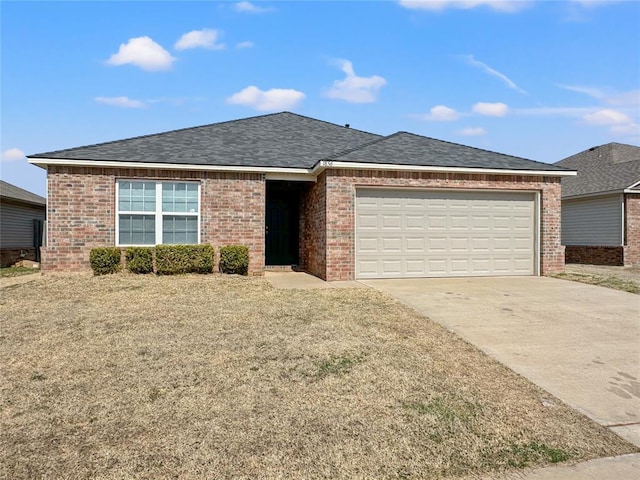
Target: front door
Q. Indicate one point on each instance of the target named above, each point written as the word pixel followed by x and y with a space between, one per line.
pixel 282 224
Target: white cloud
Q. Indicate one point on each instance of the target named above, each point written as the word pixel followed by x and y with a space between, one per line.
pixel 497 109
pixel 631 129
pixel 593 3
pixel 246 44
pixel 506 6
pixel 205 38
pixel 554 111
pixel 274 99
pixel 123 102
pixel 355 89
pixel 441 113
pixel 472 132
pixel 142 52
pixel 607 117
pixel 12 154
pixel 590 91
pixel 248 7
pixel 630 99
pixel 487 69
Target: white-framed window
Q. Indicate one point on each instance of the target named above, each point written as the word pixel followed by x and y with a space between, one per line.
pixel 157 212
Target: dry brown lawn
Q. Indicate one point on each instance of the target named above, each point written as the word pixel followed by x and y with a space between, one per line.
pixel 188 377
pixel 626 279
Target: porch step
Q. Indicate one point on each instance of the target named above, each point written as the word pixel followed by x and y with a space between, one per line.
pixel 281 268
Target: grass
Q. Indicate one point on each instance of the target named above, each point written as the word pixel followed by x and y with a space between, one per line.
pixel 17 271
pixel 608 281
pixel 126 376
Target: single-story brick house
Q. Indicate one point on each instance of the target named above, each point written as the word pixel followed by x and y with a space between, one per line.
pixel 335 201
pixel 601 206
pixel 22 215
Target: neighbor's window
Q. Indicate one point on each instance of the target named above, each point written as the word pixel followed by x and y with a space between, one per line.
pixel 152 213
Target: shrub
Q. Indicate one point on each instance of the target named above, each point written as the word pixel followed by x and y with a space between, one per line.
pixel 104 260
pixel 234 259
pixel 175 259
pixel 139 259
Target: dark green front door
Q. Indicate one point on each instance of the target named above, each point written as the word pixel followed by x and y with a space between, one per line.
pixel 282 226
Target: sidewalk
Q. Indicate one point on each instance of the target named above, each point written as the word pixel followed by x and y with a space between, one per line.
pixel 10 281
pixel 624 467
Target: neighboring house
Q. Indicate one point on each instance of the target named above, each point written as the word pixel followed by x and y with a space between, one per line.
pixel 22 214
pixel 338 202
pixel 601 206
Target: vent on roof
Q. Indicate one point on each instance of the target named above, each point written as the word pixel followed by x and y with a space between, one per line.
pixel 346 125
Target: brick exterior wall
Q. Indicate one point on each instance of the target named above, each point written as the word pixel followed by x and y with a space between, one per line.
pixel 598 255
pixel 632 230
pixel 313 210
pixel 340 210
pixel 81 212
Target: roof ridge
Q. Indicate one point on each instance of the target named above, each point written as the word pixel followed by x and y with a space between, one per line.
pixel 273 114
pixel 367 144
pixel 480 149
pixel 155 134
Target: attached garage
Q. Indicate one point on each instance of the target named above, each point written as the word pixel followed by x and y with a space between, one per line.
pixel 403 233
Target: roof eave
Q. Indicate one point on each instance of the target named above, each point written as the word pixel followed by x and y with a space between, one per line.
pixel 43 162
pixel 324 164
pixel 311 172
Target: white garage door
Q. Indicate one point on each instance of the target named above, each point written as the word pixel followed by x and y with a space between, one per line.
pixel 411 233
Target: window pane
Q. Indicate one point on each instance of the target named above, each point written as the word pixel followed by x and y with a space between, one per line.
pixel 137 230
pixel 180 197
pixel 179 229
pixel 137 196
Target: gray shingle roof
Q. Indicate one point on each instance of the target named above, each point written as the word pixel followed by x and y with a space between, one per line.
pixel 290 140
pixel 607 168
pixel 275 140
pixel 404 148
pixel 12 192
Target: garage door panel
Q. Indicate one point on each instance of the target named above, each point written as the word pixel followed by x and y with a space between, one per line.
pixel 458 222
pixel 368 222
pixel 390 222
pixel 414 245
pixel 411 233
pixel 458 244
pixel 436 222
pixel 413 221
pixel 391 267
pixel 436 244
pixel 391 245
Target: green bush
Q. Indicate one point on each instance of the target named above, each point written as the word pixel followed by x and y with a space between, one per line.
pixel 175 259
pixel 104 260
pixel 234 259
pixel 139 259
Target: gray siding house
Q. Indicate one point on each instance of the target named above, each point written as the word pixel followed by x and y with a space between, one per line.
pixel 22 215
pixel 601 206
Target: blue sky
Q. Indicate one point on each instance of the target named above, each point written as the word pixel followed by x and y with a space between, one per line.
pixel 537 79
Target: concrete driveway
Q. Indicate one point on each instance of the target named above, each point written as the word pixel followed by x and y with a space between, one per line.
pixel 579 342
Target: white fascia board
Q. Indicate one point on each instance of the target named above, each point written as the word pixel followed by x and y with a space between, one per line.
pixel 290 172
pixel 324 164
pixel 635 188
pixel 43 162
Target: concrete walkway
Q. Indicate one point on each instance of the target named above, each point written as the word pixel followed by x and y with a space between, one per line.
pixel 304 281
pixel 624 467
